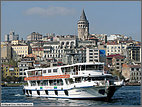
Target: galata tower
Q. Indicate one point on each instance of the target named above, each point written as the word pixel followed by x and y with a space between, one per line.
pixel 83 27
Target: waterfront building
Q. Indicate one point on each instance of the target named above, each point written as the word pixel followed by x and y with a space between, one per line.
pixel 34 36
pixel 134 53
pixel 24 65
pixel 115 62
pixel 132 72
pixel 83 27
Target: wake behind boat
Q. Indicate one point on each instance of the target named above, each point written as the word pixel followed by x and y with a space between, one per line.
pixel 76 81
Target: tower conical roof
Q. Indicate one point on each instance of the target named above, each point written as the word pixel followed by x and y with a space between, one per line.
pixel 83 16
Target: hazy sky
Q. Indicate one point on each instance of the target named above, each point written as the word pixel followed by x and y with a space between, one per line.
pixel 105 17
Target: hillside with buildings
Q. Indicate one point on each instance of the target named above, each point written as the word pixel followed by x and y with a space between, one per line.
pixel 121 54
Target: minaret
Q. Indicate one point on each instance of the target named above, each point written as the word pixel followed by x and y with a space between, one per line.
pixel 83 27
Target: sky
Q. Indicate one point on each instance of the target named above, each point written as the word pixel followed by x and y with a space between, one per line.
pixel 61 17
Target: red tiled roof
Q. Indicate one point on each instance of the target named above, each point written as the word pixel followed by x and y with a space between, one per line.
pixel 131 66
pixel 113 55
pixel 117 56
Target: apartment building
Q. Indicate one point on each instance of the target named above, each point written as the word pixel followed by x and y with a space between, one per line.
pixel 19 51
pixel 51 50
pixel 115 62
pixel 92 54
pixel 115 48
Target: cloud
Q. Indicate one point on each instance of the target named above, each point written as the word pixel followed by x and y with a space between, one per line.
pixel 50 11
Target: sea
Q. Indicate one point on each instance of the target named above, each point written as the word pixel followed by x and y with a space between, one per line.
pixel 126 95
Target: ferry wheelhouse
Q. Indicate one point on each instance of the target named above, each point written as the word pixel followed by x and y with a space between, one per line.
pixel 76 81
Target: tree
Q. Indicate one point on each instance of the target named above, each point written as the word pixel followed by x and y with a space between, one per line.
pixel 8 79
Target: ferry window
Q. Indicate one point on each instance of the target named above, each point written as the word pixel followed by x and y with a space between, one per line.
pixel 90 67
pixel 33 83
pixel 31 73
pixel 78 80
pixel 55 82
pixel 94 67
pixel 70 80
pixel 100 67
pixel 58 82
pixel 44 71
pixel 38 82
pixel 61 81
pixel 51 82
pixel 54 70
pixel 45 83
pixel 66 81
pixel 83 67
pixel 49 71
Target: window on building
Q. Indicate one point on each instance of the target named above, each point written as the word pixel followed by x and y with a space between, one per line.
pixel 132 69
pixel 91 60
pixel 137 69
pixel 117 67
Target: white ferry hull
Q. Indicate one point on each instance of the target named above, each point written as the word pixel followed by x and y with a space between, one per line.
pixel 92 92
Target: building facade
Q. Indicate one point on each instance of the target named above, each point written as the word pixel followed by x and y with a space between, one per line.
pixel 9 70
pixel 92 54
pixel 115 48
pixel 5 52
pixel 11 36
pixel 19 51
pixel 132 72
pixel 34 36
pixel 134 53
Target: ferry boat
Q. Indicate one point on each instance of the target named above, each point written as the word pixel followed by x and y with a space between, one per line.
pixel 76 81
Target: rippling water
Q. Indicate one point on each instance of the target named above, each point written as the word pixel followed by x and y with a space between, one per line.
pixel 127 95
